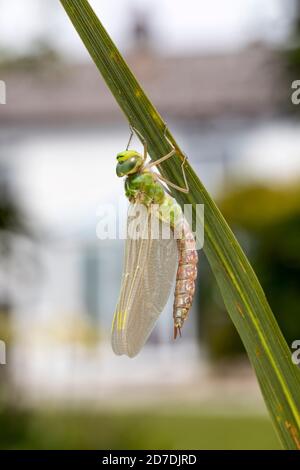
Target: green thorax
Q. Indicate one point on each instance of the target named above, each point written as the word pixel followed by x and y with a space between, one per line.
pixel 142 188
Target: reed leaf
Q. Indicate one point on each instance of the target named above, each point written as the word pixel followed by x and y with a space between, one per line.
pixel 243 296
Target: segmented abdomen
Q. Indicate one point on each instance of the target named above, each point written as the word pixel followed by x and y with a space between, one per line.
pixel 185 278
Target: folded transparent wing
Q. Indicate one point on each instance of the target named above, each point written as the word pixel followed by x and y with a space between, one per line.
pixel 148 275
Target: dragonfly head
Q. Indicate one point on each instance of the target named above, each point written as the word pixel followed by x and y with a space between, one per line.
pixel 129 162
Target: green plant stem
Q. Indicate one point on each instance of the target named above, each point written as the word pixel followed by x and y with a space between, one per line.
pixel 244 298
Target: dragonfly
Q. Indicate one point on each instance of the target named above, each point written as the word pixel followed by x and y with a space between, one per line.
pixel 150 263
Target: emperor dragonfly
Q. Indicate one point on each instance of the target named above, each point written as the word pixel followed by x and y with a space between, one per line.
pixel 150 264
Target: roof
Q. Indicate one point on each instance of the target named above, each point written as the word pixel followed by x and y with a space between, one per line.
pixel 247 83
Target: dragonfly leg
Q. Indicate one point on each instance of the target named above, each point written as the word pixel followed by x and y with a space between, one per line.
pixel 144 142
pixel 172 185
pixel 162 159
pixel 165 157
pixel 186 188
pixel 130 137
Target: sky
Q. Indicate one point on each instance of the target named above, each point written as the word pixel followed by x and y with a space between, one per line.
pixel 176 26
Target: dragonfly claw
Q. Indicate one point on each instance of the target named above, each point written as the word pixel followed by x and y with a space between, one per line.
pixel 177 330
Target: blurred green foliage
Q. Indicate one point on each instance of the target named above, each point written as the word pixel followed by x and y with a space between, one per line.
pixel 138 430
pixel 41 55
pixel 293 52
pixel 267 223
pixel 14 427
pixel 290 57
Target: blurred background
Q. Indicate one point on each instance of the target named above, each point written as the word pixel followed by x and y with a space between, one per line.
pixel 220 74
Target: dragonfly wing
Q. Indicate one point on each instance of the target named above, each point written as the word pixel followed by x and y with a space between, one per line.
pixel 148 274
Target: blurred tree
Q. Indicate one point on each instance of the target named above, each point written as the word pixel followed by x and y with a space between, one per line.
pixel 11 216
pixel 292 54
pixel 267 223
pixel 12 223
